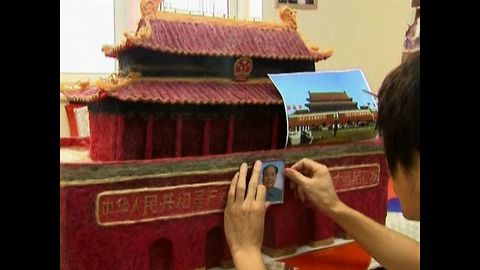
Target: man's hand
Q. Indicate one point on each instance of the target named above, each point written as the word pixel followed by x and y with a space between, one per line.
pixel 244 219
pixel 312 181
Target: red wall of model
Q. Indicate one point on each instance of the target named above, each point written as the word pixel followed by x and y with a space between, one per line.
pixel 116 136
pixel 196 241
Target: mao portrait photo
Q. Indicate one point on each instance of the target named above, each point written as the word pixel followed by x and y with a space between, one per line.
pixel 273 179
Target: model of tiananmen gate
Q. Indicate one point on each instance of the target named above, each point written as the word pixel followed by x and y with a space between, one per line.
pixel 192 101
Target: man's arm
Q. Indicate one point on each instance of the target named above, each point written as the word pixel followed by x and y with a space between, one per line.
pixel 244 219
pixel 248 260
pixel 312 181
pixel 391 249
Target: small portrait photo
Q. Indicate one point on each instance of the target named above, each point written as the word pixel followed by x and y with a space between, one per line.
pixel 272 177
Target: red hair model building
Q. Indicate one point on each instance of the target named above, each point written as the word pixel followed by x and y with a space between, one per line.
pixel 192 100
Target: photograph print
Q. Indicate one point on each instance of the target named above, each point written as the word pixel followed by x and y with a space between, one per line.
pixel 327 107
pixel 272 177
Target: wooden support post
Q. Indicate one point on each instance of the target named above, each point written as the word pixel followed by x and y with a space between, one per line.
pixel 179 135
pixel 206 135
pixel 149 138
pixel 230 131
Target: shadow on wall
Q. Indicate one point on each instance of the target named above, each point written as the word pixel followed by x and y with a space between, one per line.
pixel 214 247
pixel 161 255
pixel 306 227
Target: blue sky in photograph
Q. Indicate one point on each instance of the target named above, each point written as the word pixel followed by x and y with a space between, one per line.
pixel 294 87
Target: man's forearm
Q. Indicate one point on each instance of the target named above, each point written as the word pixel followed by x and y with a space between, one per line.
pixel 391 249
pixel 248 260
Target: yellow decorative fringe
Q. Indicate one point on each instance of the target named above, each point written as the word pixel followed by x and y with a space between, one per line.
pixel 113 82
pixel 75 86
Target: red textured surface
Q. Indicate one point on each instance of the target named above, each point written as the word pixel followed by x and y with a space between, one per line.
pixel 350 256
pixel 275 124
pixel 197 38
pixel 86 95
pixel 192 137
pixel 114 208
pixel 75 142
pixel 164 136
pixel 218 135
pixel 120 138
pixel 149 138
pixel 135 138
pixel 103 135
pixel 179 135
pixel 86 245
pixel 253 133
pixel 216 245
pixel 345 179
pixel 282 218
pixel 206 136
pixel 230 133
pixel 188 92
pixel 261 132
pixel 159 253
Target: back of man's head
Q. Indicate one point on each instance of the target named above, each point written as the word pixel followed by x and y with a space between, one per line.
pixel 399 113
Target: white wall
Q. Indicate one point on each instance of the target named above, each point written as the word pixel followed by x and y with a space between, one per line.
pixel 366 34
pixel 85 26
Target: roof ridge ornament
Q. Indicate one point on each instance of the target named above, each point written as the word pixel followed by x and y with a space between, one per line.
pixel 115 81
pixel 284 32
pixel 136 37
pixel 288 17
pixel 81 84
pixel 149 8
